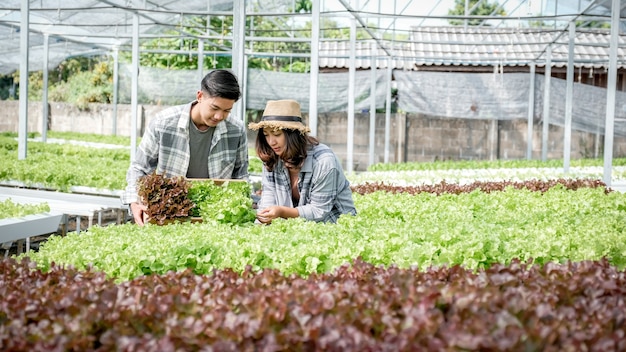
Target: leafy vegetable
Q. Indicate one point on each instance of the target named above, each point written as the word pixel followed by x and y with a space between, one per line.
pixel 473 229
pixel 228 203
pixel 357 307
pixel 164 197
pixel 10 209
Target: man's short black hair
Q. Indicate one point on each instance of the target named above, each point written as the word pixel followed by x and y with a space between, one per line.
pixel 222 84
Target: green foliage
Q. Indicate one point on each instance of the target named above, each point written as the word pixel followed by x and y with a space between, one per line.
pixel 170 198
pixel 172 50
pixel 488 164
pixel 61 166
pixel 82 88
pixel 279 27
pixel 226 203
pixel 7 87
pixel 90 137
pixel 303 6
pixel 255 165
pixel 298 66
pixel 593 24
pixel 88 165
pixel 485 8
pixel 79 80
pixel 10 209
pixel 79 137
pixel 475 230
pixel 35 85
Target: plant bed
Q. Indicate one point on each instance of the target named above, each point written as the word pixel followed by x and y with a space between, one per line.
pixel 474 229
pixel 22 221
pixel 12 229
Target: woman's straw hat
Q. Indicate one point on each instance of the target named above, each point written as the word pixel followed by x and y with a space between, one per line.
pixel 281 114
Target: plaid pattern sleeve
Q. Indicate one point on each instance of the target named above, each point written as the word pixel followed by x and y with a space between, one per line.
pixel 273 188
pixel 325 192
pixel 164 148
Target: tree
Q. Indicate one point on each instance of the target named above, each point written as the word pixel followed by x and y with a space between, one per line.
pixel 484 8
pixel 172 50
pixel 77 80
pixel 303 6
pixel 177 49
pixel 593 24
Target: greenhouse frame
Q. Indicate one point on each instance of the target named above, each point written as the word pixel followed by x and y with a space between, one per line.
pixel 499 61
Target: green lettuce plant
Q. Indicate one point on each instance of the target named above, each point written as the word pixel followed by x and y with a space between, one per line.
pixel 227 203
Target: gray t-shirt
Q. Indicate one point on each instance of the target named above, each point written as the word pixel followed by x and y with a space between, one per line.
pixel 199 149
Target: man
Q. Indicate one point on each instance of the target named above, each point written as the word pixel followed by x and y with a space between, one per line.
pixel 195 140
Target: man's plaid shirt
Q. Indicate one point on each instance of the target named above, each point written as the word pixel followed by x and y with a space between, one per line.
pixel 165 148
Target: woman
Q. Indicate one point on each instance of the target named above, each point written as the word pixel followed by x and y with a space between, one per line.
pixel 301 177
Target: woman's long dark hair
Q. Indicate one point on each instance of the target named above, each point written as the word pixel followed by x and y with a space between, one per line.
pixel 296 146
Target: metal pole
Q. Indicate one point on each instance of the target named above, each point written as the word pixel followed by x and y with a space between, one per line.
pixel 546 104
pixel 239 40
pixel 116 85
pixel 200 59
pixel 24 50
pixel 244 91
pixel 44 92
pixel 531 112
pixel 134 87
pixel 315 69
pixel 466 13
pixel 372 146
pixel 388 109
pixel 610 96
pixel 556 10
pixel 351 95
pixel 567 143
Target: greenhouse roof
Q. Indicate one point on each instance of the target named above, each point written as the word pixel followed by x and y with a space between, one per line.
pixel 93 27
pixel 510 46
pixel 478 46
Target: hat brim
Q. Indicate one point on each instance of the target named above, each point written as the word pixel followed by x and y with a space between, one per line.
pixel 281 125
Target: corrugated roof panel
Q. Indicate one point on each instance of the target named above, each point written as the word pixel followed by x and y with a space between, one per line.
pixel 480 46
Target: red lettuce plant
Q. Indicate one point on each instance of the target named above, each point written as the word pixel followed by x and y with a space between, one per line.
pixel 574 306
pixel 164 197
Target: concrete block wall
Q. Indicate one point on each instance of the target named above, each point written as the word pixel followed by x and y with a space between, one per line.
pixel 9 116
pixel 412 137
pixel 332 130
pixel 97 118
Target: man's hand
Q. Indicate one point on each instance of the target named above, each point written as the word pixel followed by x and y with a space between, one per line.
pixel 138 211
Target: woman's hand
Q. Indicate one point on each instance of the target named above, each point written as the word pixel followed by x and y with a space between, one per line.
pixel 265 216
pixel 268 214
